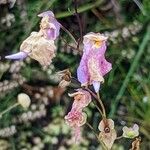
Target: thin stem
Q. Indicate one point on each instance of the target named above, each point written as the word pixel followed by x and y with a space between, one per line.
pixel 119 137
pixel 68 32
pixel 8 109
pixel 98 109
pixel 79 22
pixel 92 130
pixel 80 9
pixel 100 102
pixel 77 49
pixel 102 105
pixel 102 144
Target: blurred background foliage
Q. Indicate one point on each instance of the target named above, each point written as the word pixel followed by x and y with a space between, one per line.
pixel 126 92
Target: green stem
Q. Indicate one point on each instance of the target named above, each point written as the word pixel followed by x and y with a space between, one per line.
pixel 130 72
pixel 92 130
pixel 102 105
pixel 80 9
pixel 93 94
pixel 8 109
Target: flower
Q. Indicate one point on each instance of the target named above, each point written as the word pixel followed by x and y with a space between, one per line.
pixel 107 132
pixel 131 132
pixel 93 65
pixel 75 119
pixel 65 77
pixel 24 100
pixel 40 45
pixel 82 99
pixel 49 26
pixel 136 144
pixel 36 47
pixel 39 48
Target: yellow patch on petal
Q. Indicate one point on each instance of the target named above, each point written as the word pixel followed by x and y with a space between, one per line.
pixel 97 44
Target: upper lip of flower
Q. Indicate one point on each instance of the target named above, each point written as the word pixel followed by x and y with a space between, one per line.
pixel 96 37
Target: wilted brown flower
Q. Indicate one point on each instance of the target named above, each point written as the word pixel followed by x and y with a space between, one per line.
pixel 39 48
pixel 108 134
pixel 136 144
pixel 65 77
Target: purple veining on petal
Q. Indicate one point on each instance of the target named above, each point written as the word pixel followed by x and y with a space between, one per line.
pixel 54 23
pixel 51 34
pixel 17 56
pixel 105 66
pixel 57 26
pixel 96 86
pixel 82 71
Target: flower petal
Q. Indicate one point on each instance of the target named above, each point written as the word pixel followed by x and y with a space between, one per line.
pixel 17 56
pixel 46 13
pixel 82 71
pixel 96 86
pixel 108 138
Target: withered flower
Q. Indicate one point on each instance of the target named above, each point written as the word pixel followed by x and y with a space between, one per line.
pixel 49 25
pixel 107 132
pixel 136 144
pixel 76 119
pixel 93 65
pixel 37 47
pixel 65 77
pixel 40 45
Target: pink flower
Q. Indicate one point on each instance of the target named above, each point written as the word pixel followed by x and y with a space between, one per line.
pixel 82 99
pixel 93 65
pixel 49 25
pixel 75 119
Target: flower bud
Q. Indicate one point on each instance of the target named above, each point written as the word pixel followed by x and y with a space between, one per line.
pixel 24 100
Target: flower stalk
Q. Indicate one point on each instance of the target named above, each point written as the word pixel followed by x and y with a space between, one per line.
pixel 8 109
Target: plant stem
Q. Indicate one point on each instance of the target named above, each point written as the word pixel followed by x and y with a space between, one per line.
pixel 68 32
pixel 98 99
pixel 80 9
pixel 79 22
pixel 8 109
pixel 92 130
pixel 102 105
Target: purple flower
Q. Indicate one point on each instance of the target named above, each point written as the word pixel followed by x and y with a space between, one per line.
pixel 93 65
pixel 49 25
pixel 17 56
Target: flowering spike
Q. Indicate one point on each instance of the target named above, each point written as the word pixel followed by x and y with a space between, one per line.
pixel 17 56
